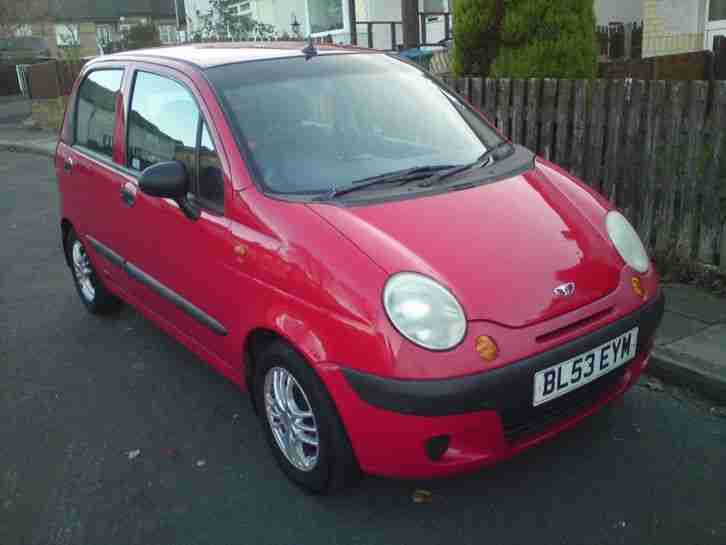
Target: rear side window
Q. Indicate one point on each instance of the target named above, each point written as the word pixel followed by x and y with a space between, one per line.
pixel 96 110
pixel 163 123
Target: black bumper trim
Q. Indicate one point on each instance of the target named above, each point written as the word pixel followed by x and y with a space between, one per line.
pixel 507 388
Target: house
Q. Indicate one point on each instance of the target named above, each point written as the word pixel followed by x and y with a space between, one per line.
pixel 618 11
pixel 79 27
pixel 377 23
pixel 682 26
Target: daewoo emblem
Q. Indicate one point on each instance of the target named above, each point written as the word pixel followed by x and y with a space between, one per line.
pixel 565 290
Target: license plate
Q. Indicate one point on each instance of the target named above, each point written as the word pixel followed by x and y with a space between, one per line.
pixel 564 377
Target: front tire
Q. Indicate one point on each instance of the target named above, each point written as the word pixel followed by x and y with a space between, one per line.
pixel 301 423
pixel 94 295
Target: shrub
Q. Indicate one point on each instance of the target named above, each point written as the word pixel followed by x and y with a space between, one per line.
pixel 525 38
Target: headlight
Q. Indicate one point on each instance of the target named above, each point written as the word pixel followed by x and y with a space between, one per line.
pixel 424 311
pixel 627 242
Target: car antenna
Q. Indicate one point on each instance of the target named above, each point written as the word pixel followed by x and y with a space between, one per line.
pixel 309 50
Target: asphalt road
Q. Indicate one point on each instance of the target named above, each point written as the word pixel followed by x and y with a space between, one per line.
pixel 13 110
pixel 78 393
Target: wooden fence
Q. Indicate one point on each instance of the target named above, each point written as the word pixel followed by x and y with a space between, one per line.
pixel 657 149
pixel 620 41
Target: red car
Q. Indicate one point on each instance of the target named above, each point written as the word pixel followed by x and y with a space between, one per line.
pixel 401 290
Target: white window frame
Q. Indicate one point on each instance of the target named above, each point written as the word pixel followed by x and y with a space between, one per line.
pixel 63 32
pixel 168 31
pixel 336 32
pixel 23 31
pixel 712 28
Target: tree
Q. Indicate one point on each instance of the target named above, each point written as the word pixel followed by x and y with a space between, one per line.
pixel 141 36
pixel 15 14
pixel 525 38
pixel 222 22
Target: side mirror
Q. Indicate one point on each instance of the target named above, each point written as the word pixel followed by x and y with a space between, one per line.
pixel 169 180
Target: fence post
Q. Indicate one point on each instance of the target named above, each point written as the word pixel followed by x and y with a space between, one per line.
pixel 564 95
pixel 424 30
pixel 688 206
pixel 714 186
pixel 665 212
pixel 369 30
pixel 393 37
pixel 597 128
pixel 579 127
pixel 518 111
pixel 490 99
pixel 656 113
pixel 503 98
pixel 631 188
pixel 549 99
pixel 533 93
pixel 411 26
pixel 615 123
pixel 352 22
pixel 477 93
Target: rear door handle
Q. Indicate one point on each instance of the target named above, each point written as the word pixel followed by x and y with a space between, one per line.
pixel 68 165
pixel 128 194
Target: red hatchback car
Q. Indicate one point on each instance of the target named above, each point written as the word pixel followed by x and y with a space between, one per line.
pixel 401 290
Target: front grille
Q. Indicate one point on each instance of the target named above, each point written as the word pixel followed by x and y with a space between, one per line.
pixel 524 422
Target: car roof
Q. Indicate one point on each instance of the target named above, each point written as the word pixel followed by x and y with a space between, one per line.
pixel 206 55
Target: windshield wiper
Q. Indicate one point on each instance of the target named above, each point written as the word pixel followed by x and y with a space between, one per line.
pixel 399 177
pixel 484 160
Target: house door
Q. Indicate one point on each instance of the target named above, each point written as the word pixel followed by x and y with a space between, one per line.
pixel 715 22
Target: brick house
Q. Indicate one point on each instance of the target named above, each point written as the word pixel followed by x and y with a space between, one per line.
pixel 83 27
pixel 682 26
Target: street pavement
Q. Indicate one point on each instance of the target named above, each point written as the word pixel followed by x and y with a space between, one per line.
pixel 112 433
pixel 13 110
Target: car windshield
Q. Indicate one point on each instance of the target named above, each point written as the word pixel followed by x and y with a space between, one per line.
pixel 313 126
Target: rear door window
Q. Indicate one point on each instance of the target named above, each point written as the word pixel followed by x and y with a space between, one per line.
pixel 96 110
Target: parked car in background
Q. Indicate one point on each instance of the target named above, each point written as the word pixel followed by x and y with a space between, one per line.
pixel 401 290
pixel 24 49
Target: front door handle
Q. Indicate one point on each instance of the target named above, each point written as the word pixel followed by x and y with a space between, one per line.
pixel 68 165
pixel 128 194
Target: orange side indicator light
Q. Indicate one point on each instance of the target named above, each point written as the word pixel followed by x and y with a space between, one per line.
pixel 638 288
pixel 486 348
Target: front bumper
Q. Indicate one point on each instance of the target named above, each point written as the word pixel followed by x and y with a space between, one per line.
pixel 488 417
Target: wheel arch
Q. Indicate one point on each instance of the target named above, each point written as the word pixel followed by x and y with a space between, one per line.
pixel 255 342
pixel 66 227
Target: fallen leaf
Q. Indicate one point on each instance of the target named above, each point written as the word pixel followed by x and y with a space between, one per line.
pixel 654 384
pixel 133 454
pixel 171 453
pixel 422 496
pixel 719 411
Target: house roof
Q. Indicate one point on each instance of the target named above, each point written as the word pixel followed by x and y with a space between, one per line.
pixel 207 55
pixel 112 10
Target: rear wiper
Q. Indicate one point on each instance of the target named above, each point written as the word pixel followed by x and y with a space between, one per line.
pixel 399 177
pixel 484 160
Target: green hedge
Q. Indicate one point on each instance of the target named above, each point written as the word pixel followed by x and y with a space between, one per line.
pixel 536 39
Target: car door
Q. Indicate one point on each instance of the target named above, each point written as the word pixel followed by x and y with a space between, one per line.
pixel 89 169
pixel 180 266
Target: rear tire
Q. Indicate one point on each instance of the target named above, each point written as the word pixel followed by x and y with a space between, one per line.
pixel 292 402
pixel 94 295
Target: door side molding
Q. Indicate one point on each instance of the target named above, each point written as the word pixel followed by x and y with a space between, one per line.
pixel 152 283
